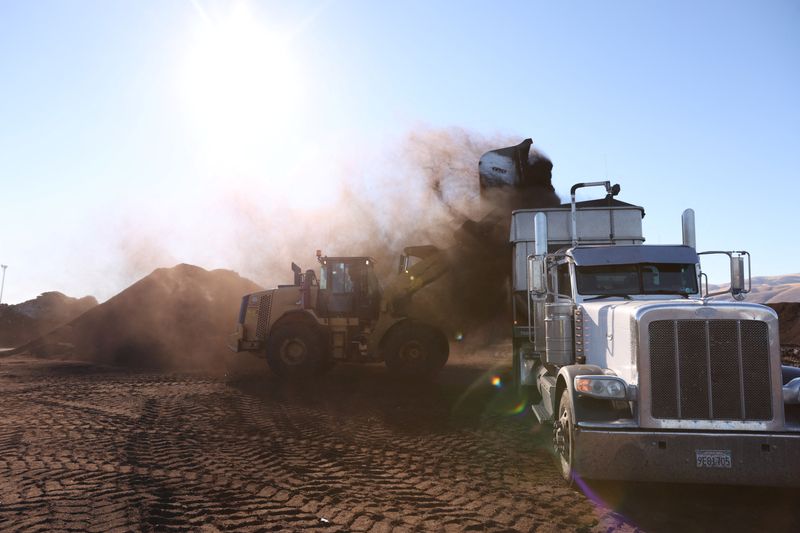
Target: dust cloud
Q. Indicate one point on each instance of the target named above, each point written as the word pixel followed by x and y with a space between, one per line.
pixel 427 191
pixel 424 191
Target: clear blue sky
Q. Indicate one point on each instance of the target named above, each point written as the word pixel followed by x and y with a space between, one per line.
pixel 115 146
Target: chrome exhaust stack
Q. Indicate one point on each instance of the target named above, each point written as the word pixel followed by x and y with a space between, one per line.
pixel 537 283
pixel 540 234
pixel 688 229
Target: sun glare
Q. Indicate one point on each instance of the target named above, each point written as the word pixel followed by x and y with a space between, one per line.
pixel 240 85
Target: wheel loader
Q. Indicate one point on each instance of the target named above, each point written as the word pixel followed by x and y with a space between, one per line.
pixel 343 314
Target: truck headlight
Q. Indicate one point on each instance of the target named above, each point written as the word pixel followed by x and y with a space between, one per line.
pixel 604 387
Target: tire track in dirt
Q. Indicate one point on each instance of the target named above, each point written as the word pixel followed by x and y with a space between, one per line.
pixel 106 450
pixel 171 472
pixel 200 453
pixel 362 460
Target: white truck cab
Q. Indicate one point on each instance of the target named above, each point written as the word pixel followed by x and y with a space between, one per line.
pixel 617 344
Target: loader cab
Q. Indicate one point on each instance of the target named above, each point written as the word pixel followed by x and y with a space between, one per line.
pixel 348 287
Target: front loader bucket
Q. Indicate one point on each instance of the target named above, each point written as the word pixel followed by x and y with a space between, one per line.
pixel 516 167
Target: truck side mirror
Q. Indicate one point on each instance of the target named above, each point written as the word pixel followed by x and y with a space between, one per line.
pixel 536 276
pixel 739 287
pixel 741 283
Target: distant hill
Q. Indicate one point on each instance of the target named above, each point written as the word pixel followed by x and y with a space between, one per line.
pixel 28 320
pixel 770 289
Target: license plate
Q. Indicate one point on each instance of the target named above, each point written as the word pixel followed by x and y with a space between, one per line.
pixel 713 458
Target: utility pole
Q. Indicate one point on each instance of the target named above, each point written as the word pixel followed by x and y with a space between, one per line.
pixel 3 283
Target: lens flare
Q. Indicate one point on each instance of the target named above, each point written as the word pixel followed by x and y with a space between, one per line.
pixel 459 336
pixel 517 409
pixel 497 382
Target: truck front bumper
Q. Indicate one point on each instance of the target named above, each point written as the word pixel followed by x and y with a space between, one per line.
pixel 769 459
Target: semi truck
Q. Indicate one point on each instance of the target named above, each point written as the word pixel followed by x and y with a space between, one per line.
pixel 641 372
pixel 343 315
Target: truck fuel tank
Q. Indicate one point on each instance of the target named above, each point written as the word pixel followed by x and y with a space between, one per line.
pixel 559 339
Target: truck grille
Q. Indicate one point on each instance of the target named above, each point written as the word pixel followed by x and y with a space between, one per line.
pixel 710 370
pixel 264 308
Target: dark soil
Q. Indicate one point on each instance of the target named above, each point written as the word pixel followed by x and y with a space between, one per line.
pixel 788 321
pixel 789 326
pixel 99 448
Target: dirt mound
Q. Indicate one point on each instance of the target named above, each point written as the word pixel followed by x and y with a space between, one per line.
pixel 174 318
pixel 789 325
pixel 788 321
pixel 28 320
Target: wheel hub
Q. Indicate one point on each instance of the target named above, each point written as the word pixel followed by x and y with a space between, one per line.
pixel 561 435
pixel 293 352
pixel 411 351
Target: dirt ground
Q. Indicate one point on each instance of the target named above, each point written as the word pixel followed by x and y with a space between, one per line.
pixel 86 447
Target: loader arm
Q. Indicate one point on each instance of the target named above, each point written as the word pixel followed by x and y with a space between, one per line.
pixel 432 263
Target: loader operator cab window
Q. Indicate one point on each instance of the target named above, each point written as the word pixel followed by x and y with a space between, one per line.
pixel 339 284
pixel 350 288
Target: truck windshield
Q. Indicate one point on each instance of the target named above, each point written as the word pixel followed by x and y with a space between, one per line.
pixel 641 278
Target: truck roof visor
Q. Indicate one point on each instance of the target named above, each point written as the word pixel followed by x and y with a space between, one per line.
pixel 626 255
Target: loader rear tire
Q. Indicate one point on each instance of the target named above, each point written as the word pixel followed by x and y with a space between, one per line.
pixel 415 350
pixel 295 350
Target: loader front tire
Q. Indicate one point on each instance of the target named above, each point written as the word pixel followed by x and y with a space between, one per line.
pixel 295 350
pixel 415 350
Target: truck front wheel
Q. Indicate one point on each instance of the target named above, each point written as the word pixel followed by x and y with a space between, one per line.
pixel 414 349
pixel 295 350
pixel 564 438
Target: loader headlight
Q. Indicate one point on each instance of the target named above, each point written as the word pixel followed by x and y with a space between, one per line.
pixel 605 387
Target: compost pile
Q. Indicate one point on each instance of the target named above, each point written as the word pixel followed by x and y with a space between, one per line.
pixel 788 321
pixel 21 323
pixel 175 318
pixel 789 325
